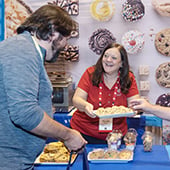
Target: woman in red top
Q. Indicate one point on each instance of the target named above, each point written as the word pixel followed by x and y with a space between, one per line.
pixel 105 84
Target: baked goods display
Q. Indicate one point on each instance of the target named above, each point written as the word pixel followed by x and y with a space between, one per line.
pixel 16 11
pixel 162 42
pixel 113 111
pixel 133 10
pixel 163 100
pixel 100 39
pixel 163 74
pixel 133 41
pixel 110 154
pixel 102 10
pixel 162 7
pixel 55 152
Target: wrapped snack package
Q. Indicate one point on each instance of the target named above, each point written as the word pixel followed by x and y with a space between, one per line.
pixel 114 139
pixel 130 138
pixel 147 141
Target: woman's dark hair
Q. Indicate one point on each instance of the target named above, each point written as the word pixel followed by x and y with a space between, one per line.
pixel 47 20
pixel 125 81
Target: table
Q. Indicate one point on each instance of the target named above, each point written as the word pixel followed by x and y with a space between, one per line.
pixel 157 159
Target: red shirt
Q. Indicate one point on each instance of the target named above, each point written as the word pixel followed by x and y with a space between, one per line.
pixel 90 126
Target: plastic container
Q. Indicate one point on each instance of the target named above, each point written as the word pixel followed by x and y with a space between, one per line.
pixel 114 139
pixel 147 141
pixel 130 138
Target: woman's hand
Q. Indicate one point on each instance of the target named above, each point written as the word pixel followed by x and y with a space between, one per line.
pixel 88 109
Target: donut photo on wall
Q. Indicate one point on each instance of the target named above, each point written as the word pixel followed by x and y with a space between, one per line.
pixel 102 10
pixel 100 39
pixel 133 10
pixel 133 41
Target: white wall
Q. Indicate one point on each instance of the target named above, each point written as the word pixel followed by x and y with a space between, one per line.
pixel 117 25
pixel 148 56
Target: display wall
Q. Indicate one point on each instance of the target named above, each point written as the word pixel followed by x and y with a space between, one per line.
pixel 147 59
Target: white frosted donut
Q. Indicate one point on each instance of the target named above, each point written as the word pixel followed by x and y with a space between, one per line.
pixel 133 41
pixel 102 10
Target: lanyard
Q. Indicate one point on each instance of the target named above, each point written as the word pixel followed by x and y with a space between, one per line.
pixel 37 47
pixel 116 90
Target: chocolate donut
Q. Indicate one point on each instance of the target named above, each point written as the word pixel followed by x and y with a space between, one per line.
pixel 133 10
pixel 100 39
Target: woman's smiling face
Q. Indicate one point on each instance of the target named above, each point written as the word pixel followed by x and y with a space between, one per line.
pixel 111 60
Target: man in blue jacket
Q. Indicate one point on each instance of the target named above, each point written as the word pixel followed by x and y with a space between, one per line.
pixel 25 89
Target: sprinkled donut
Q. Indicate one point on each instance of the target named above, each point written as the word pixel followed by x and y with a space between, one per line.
pixel 164 100
pixel 102 10
pixel 163 75
pixel 133 10
pixel 100 39
pixel 133 41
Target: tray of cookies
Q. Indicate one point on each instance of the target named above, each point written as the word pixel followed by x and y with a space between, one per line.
pixel 55 153
pixel 101 155
pixel 114 112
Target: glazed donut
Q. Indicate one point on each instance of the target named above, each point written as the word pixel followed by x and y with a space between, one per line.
pixel 102 10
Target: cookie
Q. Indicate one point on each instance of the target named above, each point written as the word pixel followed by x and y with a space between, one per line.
pixel 162 42
pixel 163 75
pixel 162 7
pixel 163 100
pixel 133 10
pixel 111 154
pixel 100 39
pixel 102 10
pixel 96 154
pixel 133 41
pixel 125 154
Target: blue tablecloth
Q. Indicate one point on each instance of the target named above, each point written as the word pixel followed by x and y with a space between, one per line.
pixel 157 159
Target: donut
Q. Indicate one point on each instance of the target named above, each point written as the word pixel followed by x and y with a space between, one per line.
pixel 71 53
pixel 102 10
pixel 132 10
pixel 71 6
pixel 162 42
pixel 162 7
pixel 163 75
pixel 163 100
pixel 100 40
pixel 133 41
